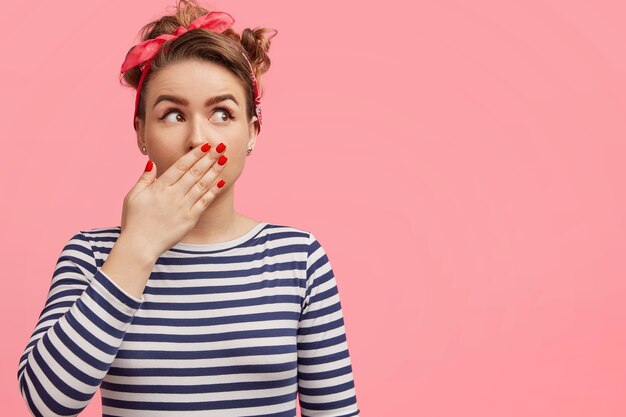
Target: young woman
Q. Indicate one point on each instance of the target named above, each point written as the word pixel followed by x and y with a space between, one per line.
pixel 190 308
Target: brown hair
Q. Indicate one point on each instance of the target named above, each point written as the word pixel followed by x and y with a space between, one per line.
pixel 221 48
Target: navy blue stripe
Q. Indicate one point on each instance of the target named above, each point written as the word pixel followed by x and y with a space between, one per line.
pixel 198 406
pixel 209 337
pixel 329 405
pixel 318 376
pixel 71 283
pixel 70 292
pixel 319 360
pixel 354 413
pixel 326 311
pixel 68 269
pixel 327 390
pixel 71 274
pixel 116 292
pixel 199 388
pixel 332 291
pixel 234 273
pixel 51 319
pixel 78 261
pixel 322 328
pixel 226 259
pixel 65 304
pixel 206 354
pixel 288 413
pixel 225 289
pixel 205 371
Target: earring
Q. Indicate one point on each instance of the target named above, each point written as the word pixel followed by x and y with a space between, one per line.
pixel 143 149
pixel 249 150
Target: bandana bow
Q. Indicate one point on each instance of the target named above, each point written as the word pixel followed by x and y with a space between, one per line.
pixel 143 53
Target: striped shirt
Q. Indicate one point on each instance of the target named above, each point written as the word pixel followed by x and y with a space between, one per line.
pixel 239 328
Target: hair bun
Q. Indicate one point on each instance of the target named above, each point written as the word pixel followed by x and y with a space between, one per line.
pixel 256 42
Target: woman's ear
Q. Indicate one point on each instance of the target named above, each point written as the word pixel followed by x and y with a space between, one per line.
pixel 253 130
pixel 136 123
pixel 139 131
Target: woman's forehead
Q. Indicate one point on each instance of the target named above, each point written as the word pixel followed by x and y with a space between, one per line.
pixel 195 80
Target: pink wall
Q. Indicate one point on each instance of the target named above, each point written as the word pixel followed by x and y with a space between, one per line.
pixel 461 162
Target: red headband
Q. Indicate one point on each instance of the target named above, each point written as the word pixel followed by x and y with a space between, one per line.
pixel 142 54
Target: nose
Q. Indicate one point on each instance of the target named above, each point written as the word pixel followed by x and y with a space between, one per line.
pixel 199 132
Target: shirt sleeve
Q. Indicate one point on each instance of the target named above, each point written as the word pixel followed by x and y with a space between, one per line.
pixel 77 336
pixel 325 380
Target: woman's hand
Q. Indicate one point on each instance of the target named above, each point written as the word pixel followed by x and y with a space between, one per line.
pixel 158 212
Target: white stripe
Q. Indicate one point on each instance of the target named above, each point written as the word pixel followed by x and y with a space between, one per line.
pixel 235 412
pixel 222 312
pixel 208 346
pixel 328 382
pixel 206 363
pixel 323 367
pixel 201 380
pixel 214 329
pixel 201 397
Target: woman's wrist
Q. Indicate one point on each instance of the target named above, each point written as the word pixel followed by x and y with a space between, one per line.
pixel 129 264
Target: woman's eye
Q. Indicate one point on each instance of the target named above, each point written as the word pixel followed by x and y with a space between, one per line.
pixel 167 115
pixel 223 115
pixel 220 115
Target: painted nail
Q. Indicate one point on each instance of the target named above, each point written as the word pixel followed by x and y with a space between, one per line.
pixel 220 184
pixel 205 147
pixel 222 160
pixel 149 166
pixel 220 148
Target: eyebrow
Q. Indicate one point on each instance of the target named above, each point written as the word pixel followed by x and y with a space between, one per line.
pixel 210 101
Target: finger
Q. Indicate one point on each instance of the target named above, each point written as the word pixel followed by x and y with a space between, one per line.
pixel 180 167
pixel 206 181
pixel 198 170
pixel 207 198
pixel 146 178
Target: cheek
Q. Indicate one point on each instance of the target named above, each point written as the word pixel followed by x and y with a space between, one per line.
pixel 233 168
pixel 162 142
pixel 163 153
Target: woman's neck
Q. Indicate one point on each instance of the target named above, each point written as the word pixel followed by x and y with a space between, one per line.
pixel 220 222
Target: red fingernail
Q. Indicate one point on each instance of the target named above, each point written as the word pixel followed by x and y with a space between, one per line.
pixel 205 147
pixel 149 166
pixel 222 160
pixel 220 184
pixel 220 148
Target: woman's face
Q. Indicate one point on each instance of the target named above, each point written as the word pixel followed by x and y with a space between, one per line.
pixel 192 102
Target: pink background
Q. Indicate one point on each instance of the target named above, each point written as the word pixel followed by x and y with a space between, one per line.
pixel 461 162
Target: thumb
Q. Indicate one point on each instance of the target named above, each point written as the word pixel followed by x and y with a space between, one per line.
pixel 149 173
pixel 147 178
